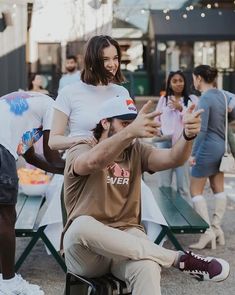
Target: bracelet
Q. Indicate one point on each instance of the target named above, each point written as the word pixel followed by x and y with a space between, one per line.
pixel 188 138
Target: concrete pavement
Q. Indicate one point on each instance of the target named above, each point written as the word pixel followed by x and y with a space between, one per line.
pixel 41 269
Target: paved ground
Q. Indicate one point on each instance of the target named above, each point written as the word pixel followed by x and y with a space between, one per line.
pixel 41 269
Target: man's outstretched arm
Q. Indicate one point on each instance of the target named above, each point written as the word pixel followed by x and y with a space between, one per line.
pixel 162 159
pixel 108 149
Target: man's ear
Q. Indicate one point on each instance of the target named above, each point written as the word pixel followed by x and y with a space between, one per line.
pixel 105 124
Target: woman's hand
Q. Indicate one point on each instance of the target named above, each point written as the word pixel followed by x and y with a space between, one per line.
pixel 175 104
pixel 192 161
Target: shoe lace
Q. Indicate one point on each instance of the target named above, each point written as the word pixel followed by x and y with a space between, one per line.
pixel 196 263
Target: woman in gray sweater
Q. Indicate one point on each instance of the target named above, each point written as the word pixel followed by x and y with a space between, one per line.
pixel 207 153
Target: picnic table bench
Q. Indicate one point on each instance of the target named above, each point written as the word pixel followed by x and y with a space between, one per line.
pixel 180 216
pixel 27 225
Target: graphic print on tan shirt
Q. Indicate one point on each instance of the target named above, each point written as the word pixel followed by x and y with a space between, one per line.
pixel 120 175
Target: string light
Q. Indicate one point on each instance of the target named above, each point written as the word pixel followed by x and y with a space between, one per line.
pixel 188 8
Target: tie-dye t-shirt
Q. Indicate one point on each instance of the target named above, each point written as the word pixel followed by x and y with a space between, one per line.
pixel 24 115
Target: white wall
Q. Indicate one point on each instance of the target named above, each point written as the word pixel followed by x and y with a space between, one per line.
pixel 13 46
pixel 15 35
pixel 68 20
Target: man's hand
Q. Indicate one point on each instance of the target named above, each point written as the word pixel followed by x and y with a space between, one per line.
pixel 145 124
pixel 192 121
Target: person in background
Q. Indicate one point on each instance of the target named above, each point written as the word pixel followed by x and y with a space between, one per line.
pixel 102 185
pixel 172 107
pixel 72 74
pixel 26 117
pixel 206 156
pixel 35 84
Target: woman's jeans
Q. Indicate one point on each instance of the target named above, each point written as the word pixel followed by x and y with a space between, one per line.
pixel 165 177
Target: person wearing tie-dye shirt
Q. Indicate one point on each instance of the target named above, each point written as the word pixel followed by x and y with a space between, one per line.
pixel 25 117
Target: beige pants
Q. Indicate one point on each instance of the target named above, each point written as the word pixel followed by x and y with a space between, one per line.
pixel 93 249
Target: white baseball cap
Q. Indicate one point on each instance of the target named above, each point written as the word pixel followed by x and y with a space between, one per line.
pixel 118 107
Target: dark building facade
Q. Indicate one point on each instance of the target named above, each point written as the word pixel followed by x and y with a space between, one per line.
pixel 183 39
pixel 13 37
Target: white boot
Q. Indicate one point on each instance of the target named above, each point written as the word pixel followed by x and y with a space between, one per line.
pixel 200 206
pixel 220 207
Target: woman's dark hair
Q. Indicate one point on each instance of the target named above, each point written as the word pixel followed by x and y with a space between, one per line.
pixel 94 71
pixel 169 90
pixel 98 130
pixel 209 74
pixel 31 79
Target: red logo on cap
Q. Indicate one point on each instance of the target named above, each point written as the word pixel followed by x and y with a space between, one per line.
pixel 132 107
pixel 129 101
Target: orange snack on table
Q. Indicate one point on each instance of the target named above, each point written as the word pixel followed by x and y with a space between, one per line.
pixel 32 176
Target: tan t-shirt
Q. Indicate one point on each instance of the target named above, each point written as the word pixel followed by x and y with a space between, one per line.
pixel 111 195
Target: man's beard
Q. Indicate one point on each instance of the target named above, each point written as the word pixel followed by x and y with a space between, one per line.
pixel 71 70
pixel 113 132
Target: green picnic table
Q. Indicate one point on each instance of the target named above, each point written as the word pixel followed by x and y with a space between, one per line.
pixel 27 225
pixel 180 216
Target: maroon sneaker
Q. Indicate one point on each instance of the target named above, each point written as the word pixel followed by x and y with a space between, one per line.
pixel 204 268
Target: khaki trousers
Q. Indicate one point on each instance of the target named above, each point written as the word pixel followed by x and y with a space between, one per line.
pixel 93 249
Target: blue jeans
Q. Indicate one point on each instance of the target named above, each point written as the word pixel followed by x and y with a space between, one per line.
pixel 165 177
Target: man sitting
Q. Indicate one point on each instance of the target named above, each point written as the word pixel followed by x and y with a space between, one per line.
pixel 102 198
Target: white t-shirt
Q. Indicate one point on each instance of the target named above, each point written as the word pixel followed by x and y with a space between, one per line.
pixel 68 79
pixel 171 119
pixel 24 115
pixel 81 101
